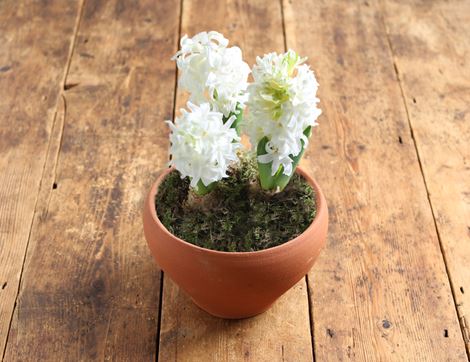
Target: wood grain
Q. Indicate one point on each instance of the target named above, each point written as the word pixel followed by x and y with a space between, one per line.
pixel 90 289
pixel 35 40
pixel 190 334
pixel 80 146
pixel 282 333
pixel 380 290
pixel 431 48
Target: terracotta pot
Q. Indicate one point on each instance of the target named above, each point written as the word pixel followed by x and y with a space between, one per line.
pixel 235 284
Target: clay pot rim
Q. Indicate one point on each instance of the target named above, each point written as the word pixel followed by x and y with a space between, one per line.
pixel 320 203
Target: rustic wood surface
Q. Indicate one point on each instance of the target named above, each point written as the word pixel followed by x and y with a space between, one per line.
pixel 90 290
pixel 383 265
pixel 34 52
pixel 85 86
pixel 431 48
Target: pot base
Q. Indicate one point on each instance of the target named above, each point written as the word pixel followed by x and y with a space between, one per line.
pixel 229 315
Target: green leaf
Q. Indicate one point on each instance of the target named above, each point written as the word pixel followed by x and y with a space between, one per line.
pixel 238 120
pixel 265 178
pixel 282 180
pixel 202 189
pixel 279 180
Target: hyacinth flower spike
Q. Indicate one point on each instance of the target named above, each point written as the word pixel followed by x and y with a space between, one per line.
pixel 283 110
pixel 203 146
pixel 214 73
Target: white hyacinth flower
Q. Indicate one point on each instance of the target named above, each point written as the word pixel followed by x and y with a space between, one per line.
pixel 283 104
pixel 202 145
pixel 212 72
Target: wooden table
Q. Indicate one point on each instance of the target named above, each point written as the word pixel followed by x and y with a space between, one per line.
pixel 85 87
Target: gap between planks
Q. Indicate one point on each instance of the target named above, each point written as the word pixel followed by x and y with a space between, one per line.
pixel 60 99
pixel 415 145
pixel 307 286
pixel 159 316
pixel 162 274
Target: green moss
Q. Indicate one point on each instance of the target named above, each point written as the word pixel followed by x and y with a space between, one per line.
pixel 237 215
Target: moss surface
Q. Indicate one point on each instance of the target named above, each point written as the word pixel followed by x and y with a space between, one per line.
pixel 237 215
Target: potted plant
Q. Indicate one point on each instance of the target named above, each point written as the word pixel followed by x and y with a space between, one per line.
pixel 236 229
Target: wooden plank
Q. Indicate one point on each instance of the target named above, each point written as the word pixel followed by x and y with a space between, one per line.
pixel 35 40
pixel 282 333
pixel 90 288
pixel 190 334
pixel 380 290
pixel 431 46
